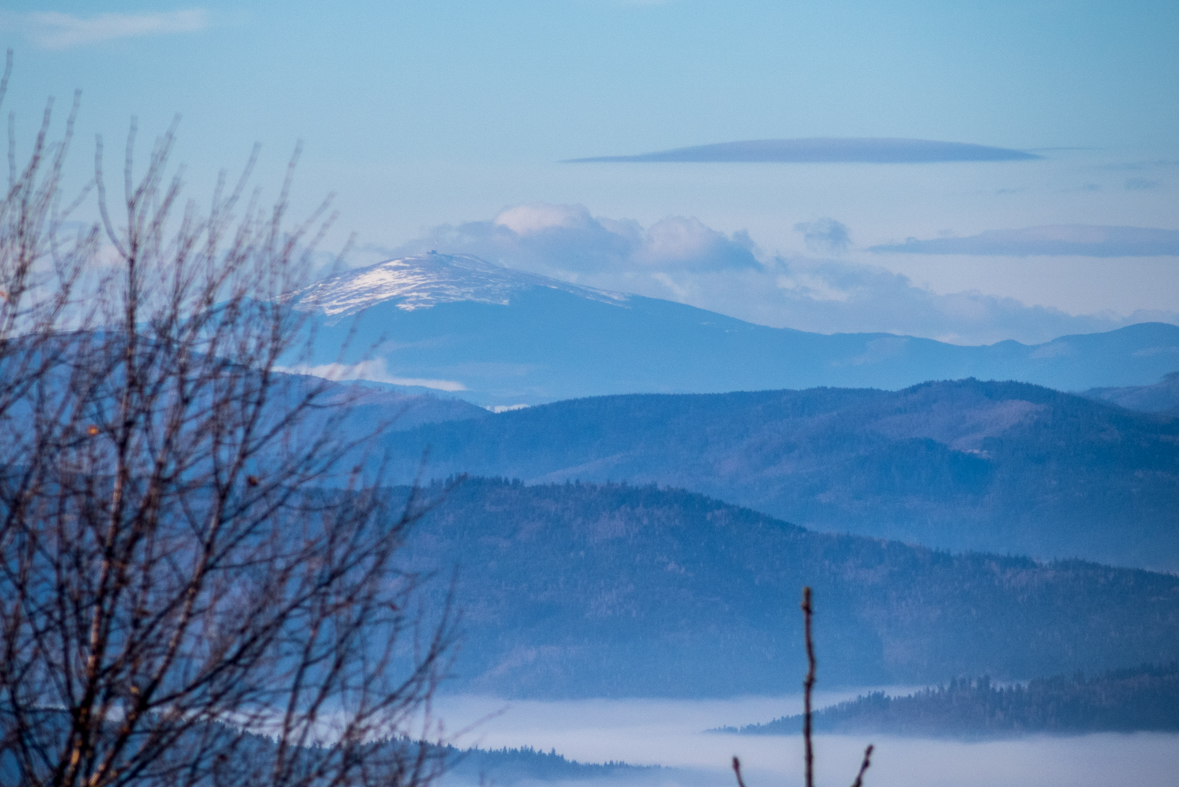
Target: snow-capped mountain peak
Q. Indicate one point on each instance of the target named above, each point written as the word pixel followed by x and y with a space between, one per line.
pixel 426 280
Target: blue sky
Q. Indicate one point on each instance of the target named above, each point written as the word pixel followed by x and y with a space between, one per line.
pixel 423 115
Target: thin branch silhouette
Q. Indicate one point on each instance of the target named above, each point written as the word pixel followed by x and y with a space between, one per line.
pixel 864 766
pixel 808 685
pixel 737 770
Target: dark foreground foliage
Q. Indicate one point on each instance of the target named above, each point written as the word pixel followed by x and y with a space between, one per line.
pixel 1132 700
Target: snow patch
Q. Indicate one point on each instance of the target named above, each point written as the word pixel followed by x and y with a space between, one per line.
pixel 506 408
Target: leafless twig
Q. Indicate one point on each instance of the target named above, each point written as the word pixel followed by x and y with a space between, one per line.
pixel 737 770
pixel 859 782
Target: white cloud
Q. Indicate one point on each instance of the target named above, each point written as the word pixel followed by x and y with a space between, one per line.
pixel 684 242
pixel 567 242
pixel 538 217
pixel 55 30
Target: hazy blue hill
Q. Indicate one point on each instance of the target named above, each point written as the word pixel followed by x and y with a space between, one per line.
pixel 1144 698
pixel 1004 467
pixel 1162 397
pixel 587 590
pixel 511 338
pixel 371 404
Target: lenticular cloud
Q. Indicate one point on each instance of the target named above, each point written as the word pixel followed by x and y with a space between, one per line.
pixel 819 150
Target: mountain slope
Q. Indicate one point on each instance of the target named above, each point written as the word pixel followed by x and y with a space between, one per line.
pixel 586 590
pixel 1004 467
pixel 507 337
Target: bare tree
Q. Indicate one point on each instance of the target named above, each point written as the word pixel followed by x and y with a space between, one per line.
pixel 195 586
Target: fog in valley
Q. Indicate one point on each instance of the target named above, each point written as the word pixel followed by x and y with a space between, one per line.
pixel 672 734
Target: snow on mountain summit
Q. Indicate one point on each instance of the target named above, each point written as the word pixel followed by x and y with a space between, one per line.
pixel 426 280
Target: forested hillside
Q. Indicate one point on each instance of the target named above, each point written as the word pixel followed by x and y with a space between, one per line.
pixel 587 590
pixel 1144 698
pixel 1003 467
pixel 511 766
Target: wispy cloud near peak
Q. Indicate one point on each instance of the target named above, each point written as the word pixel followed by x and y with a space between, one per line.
pixel 822 150
pixel 55 30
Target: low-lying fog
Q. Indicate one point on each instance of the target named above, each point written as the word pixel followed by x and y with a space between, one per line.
pixel 671 733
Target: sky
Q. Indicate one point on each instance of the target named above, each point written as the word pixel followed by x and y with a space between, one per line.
pixel 449 125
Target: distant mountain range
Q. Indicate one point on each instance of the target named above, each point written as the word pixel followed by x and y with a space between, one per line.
pixel 501 337
pixel 587 590
pixel 1004 467
pixel 1131 700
